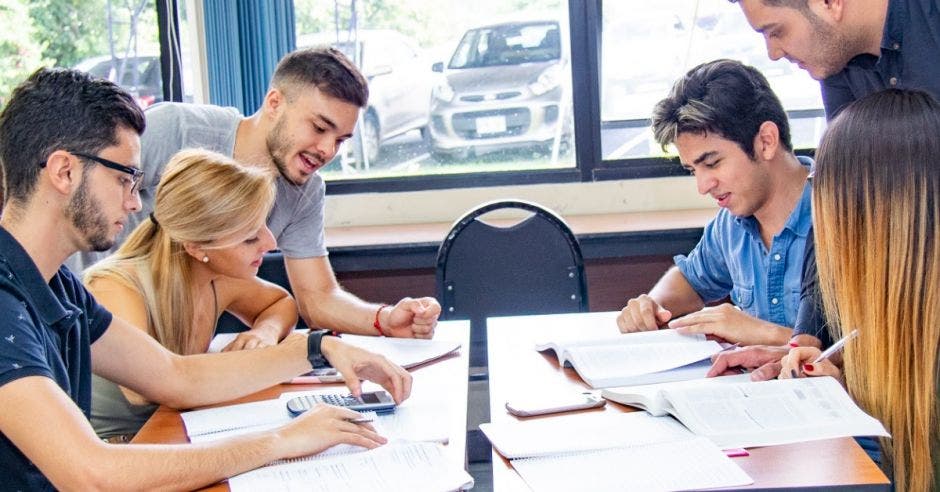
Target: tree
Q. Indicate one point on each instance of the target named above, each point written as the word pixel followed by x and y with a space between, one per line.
pixel 20 54
pixel 70 30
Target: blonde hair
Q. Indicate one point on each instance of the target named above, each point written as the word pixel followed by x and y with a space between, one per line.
pixel 202 197
pixel 876 202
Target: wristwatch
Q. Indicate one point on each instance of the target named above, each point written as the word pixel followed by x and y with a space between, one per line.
pixel 314 355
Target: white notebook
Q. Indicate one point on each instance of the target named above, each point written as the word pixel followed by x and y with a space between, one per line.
pixel 691 463
pixel 580 432
pixel 636 358
pixel 395 467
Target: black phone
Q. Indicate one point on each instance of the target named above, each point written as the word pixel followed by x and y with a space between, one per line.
pixel 370 401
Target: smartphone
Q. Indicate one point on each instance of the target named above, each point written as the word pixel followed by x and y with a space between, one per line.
pixel 374 401
pixel 552 402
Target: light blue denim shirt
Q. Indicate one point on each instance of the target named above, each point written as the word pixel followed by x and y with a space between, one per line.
pixel 731 259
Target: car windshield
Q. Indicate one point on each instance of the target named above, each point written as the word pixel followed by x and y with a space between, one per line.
pixel 508 44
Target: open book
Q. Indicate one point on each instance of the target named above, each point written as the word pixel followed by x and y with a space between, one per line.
pixel 612 451
pixel 636 358
pixel 746 414
pixel 650 397
pixel 394 467
pixel 406 352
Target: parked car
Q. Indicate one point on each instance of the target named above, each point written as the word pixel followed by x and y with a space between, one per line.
pixel 140 75
pixel 399 84
pixel 507 85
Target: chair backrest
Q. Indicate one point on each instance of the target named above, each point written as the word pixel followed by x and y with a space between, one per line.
pixel 272 269
pixel 532 267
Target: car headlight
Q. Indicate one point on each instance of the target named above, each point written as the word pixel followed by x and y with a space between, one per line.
pixel 443 91
pixel 548 80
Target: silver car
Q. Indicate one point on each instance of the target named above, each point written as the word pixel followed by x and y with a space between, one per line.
pixel 507 86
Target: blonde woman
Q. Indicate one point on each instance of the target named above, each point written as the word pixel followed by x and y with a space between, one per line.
pixel 196 256
pixel 876 206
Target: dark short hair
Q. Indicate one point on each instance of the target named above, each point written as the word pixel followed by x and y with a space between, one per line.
pixel 326 68
pixel 724 97
pixel 59 109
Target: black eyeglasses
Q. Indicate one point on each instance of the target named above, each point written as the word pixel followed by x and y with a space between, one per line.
pixel 137 175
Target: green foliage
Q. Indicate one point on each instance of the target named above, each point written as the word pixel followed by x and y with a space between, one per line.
pixel 70 30
pixel 19 53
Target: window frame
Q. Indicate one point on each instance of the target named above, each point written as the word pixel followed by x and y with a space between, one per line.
pixel 585 24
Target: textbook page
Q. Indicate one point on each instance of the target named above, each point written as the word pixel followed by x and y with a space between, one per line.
pixel 765 413
pixel 580 432
pixel 395 467
pixel 650 467
pixel 649 397
pixel 617 365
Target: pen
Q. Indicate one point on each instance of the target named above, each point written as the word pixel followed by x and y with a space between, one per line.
pixel 836 346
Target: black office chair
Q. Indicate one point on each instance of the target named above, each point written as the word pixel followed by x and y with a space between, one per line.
pixel 272 269
pixel 532 267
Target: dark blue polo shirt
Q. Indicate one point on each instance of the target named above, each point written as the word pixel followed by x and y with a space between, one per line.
pixel 910 57
pixel 47 330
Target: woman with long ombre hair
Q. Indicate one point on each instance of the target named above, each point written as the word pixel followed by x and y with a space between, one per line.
pixel 876 204
pixel 196 256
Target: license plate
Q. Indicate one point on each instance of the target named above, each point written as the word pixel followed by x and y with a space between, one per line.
pixel 489 125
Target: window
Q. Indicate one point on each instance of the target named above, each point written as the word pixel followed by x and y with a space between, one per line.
pixel 455 87
pixel 118 41
pixel 648 44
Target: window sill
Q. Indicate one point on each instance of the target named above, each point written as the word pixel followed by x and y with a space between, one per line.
pixel 411 246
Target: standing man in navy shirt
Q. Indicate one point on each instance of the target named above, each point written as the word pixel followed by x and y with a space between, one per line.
pixel 70 151
pixel 853 47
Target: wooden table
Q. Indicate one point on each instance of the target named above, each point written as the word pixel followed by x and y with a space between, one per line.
pixel 515 366
pixel 440 384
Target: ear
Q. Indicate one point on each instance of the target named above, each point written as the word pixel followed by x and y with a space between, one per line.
pixel 63 172
pixel 194 250
pixel 767 141
pixel 829 10
pixel 274 101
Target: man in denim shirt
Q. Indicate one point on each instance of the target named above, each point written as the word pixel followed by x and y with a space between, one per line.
pixel 854 48
pixel 732 134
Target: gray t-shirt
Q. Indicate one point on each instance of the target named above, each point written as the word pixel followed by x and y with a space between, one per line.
pixel 297 217
pixel 296 222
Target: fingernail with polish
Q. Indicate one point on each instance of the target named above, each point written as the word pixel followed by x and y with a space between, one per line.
pixel 793 373
pixel 793 344
pixel 808 368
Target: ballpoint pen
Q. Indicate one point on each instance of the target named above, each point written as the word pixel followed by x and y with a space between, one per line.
pixel 836 346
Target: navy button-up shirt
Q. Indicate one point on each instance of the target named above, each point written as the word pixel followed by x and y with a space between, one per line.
pixel 46 329
pixel 910 57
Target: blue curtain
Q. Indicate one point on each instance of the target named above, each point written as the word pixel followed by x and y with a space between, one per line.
pixel 244 41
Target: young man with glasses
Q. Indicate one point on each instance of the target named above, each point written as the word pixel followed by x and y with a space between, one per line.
pixel 70 183
pixel 309 110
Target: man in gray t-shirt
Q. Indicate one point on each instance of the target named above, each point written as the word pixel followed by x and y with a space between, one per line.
pixel 309 110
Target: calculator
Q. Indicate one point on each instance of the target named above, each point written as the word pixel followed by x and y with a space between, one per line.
pixel 370 401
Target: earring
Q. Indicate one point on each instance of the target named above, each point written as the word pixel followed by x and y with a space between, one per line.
pixel 205 259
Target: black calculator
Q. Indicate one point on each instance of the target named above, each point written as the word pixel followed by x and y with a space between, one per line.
pixel 372 401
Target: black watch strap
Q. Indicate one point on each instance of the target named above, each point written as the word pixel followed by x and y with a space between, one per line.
pixel 314 355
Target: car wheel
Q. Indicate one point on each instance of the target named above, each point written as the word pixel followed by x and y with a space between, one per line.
pixel 368 142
